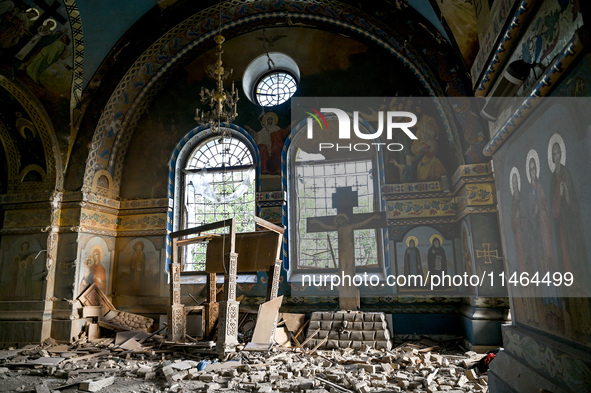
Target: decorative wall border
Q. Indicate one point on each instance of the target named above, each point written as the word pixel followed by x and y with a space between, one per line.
pixel 505 46
pixel 499 16
pixel 549 80
pixel 538 353
pixel 12 153
pixel 471 170
pixel 76 111
pixel 405 188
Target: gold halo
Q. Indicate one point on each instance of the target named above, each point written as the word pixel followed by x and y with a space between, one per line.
pixel 556 138
pixel 436 236
pixel 514 172
pixel 37 14
pixel 408 239
pixel 273 115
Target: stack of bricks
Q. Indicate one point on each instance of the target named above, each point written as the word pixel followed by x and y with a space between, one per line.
pixel 349 329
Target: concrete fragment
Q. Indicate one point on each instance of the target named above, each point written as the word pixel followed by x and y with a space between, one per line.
pixel 462 381
pixel 95 386
pixel 41 388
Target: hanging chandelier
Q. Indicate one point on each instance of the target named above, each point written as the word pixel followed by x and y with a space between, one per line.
pixel 222 103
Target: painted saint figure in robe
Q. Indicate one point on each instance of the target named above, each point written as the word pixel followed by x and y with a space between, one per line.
pixel 94 271
pixel 541 225
pixel 436 258
pixel 138 265
pixel 570 240
pixel 526 298
pixel 542 241
pixel 412 258
pixel 424 165
pixel 270 139
pixel 24 266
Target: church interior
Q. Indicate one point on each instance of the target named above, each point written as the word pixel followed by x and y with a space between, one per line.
pixel 129 128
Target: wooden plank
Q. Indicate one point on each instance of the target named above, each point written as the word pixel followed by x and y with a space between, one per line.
pixel 198 239
pixel 301 329
pixel 94 296
pixel 294 322
pixel 92 355
pixel 318 346
pixel 202 228
pixel 310 337
pixel 281 337
pixel 264 329
pixel 257 347
pixel 268 225
pixel 333 385
pixel 256 251
pixel 295 340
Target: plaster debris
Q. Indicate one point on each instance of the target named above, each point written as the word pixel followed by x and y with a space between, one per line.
pixel 155 364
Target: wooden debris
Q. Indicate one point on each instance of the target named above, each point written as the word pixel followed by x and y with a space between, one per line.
pixel 264 330
pixel 93 296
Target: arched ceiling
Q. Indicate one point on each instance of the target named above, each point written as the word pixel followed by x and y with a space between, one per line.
pixel 123 15
pixel 419 49
pixel 118 55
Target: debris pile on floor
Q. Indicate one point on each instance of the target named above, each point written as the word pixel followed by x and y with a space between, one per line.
pixel 147 363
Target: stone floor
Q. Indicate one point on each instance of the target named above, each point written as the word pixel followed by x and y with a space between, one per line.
pixel 159 366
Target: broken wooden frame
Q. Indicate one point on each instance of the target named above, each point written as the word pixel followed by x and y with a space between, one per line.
pixel 260 251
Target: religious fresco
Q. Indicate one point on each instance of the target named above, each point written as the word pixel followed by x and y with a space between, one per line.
pixel 139 269
pixel 487 252
pixel 94 264
pixel 429 157
pixel 22 269
pixel 467 253
pixel 460 16
pixel 325 61
pixel 545 222
pixel 578 81
pixel 424 249
pixel 30 160
pixel 270 139
pixel 490 23
pixel 36 46
pixel 553 26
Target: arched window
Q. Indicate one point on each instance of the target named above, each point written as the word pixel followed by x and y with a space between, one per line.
pixel 218 182
pixel 317 183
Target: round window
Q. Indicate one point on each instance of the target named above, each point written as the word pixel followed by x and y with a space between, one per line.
pixel 275 88
pixel 271 79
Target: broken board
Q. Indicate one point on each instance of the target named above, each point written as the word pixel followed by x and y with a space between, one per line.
pixel 264 330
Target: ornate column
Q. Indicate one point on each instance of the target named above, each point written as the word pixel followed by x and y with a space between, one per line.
pixel 176 313
pixel 228 319
pixel 212 307
pixel 273 273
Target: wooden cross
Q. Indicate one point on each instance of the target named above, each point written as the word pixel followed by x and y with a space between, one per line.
pixel 487 253
pixel 345 223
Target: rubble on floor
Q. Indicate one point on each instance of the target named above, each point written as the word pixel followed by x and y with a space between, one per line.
pixel 152 364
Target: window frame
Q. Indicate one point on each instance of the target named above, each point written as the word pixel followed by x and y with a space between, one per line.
pixel 185 153
pixel 267 74
pixel 295 271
